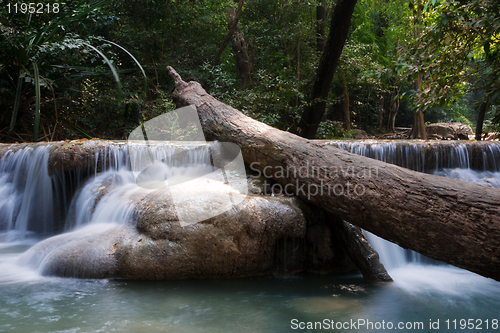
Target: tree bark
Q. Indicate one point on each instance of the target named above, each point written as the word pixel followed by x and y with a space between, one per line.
pixel 345 106
pixel 360 251
pixel 320 26
pixel 418 130
pixel 239 46
pixel 226 41
pixel 445 219
pixel 480 120
pixel 380 118
pixel 392 111
pixel 339 28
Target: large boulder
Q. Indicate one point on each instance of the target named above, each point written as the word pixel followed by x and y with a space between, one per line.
pixel 261 235
pixel 449 131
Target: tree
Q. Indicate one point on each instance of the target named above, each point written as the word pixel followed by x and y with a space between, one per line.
pixel 418 130
pixel 409 208
pixel 240 49
pixel 460 48
pixel 339 29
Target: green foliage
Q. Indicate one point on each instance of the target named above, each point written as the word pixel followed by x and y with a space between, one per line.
pixel 458 52
pixel 31 41
pixel 329 130
pixel 272 99
pixel 53 47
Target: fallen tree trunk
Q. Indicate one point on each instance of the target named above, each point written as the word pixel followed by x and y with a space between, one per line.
pixel 360 251
pixel 445 219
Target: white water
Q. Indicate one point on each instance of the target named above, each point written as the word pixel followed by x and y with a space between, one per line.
pixel 109 198
pixel 410 270
pixel 31 302
pixel 428 156
pixel 26 202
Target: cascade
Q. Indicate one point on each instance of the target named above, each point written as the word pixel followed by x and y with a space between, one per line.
pixel 475 162
pixel 26 192
pixel 428 156
pixel 35 204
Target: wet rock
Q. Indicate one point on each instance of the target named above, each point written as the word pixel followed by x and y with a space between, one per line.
pixel 260 236
pixel 87 252
pixel 434 137
pixel 257 237
pixel 492 136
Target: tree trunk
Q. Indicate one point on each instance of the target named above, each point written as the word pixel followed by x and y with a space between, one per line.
pixel 360 251
pixel 315 109
pixel 480 120
pixel 226 41
pixel 345 106
pixel 239 47
pixel 320 27
pixel 392 111
pixel 445 219
pixel 380 118
pixel 418 130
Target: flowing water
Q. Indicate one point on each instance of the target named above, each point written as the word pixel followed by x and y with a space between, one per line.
pixel 34 206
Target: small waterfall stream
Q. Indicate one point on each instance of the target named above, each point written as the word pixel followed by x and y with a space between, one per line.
pixel 35 204
pixel 27 196
pixel 429 157
pixel 475 162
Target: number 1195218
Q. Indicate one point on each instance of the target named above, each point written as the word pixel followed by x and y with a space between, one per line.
pixel 32 8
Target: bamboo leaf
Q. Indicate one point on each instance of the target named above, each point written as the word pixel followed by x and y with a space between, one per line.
pixel 136 61
pixel 77 128
pixel 37 107
pixel 113 70
pixel 16 104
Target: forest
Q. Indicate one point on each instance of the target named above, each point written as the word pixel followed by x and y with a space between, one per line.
pixel 85 69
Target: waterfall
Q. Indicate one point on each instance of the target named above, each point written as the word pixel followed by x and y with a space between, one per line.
pixel 428 156
pixel 26 192
pixel 35 204
pixel 475 162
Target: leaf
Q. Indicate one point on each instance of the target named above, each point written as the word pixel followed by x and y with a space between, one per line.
pixel 426 4
pixel 16 105
pixel 113 70
pixel 136 61
pixel 445 19
pixel 37 106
